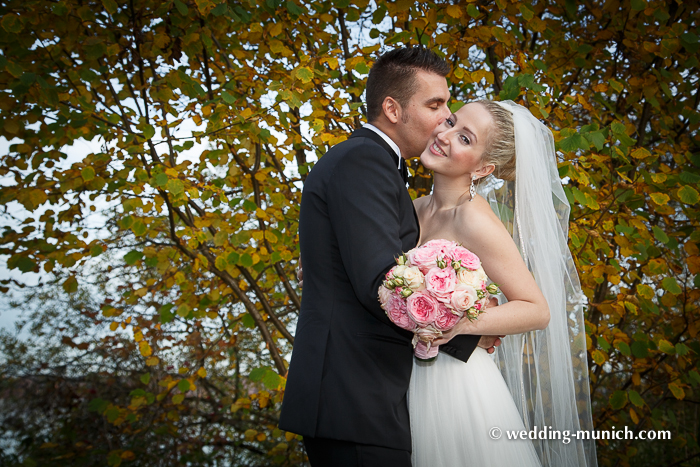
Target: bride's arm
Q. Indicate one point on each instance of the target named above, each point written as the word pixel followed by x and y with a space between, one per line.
pixel 483 233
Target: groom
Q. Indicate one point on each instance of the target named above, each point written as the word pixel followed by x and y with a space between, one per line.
pixel 350 368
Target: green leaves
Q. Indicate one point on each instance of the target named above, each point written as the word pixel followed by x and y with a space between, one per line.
pixel 688 195
pixel 133 257
pixel 11 23
pixel 573 142
pixel 88 173
pixel 267 376
pixel 618 400
pixel 181 7
pixel 305 74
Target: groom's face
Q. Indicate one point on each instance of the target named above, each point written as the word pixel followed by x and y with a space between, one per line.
pixel 426 109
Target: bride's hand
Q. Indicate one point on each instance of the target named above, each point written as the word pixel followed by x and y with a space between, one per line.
pixel 464 326
pixel 490 343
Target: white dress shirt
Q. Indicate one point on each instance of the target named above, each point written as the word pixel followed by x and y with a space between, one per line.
pixel 388 140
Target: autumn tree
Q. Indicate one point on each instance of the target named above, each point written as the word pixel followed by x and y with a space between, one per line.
pixel 205 117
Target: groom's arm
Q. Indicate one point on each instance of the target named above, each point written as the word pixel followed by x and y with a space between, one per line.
pixel 363 206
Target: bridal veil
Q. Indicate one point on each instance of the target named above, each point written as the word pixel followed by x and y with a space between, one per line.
pixel 546 371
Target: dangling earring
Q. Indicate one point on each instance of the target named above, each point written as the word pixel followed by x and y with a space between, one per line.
pixel 472 189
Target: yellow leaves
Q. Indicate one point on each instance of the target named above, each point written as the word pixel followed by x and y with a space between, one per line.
pixel 455 11
pixel 161 40
pixel 645 291
pixel 113 326
pixel 246 113
pixel 332 62
pixel 658 178
pixel 478 75
pixel 660 198
pixel 598 357
pixel 666 347
pixel 261 214
pixel 145 349
pixel 279 48
pixel 276 29
pixel 694 264
pixel 202 373
pixel 526 11
pixel 657 266
pixel 633 416
pixel 152 361
pixel 636 379
pixel 677 390
pixel 640 153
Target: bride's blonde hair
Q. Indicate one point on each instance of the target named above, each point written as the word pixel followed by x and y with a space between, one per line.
pixel 500 143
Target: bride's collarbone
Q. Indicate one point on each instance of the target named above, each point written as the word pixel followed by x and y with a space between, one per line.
pixel 445 224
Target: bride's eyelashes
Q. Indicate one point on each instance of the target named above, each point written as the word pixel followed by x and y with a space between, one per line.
pixel 451 123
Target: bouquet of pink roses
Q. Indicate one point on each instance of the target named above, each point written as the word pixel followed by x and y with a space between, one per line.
pixel 431 288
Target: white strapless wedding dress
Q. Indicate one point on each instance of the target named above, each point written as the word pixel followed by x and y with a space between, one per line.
pixel 455 406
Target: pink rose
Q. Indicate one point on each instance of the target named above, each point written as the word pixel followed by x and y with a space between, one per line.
pixel 464 297
pixel 441 283
pixel 384 295
pixel 426 256
pixel 423 352
pixel 397 313
pixel 422 308
pixel 467 259
pixel 446 318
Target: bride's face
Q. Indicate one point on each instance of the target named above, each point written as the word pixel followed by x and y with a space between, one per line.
pixel 457 145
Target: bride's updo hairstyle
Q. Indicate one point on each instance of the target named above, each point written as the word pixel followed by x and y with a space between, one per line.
pixel 500 142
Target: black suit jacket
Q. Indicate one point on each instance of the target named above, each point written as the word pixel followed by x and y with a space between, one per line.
pixel 351 366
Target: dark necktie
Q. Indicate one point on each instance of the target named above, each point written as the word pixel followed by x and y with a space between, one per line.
pixel 404 171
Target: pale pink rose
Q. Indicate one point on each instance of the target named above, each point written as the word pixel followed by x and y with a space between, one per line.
pixel 384 295
pixel 426 256
pixel 397 313
pixel 466 258
pixel 422 308
pixel 397 271
pixel 423 258
pixel 414 279
pixel 464 297
pixel 423 352
pixel 446 318
pixel 426 334
pixel 476 279
pixel 441 283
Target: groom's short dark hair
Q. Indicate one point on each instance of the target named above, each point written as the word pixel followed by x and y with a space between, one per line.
pixel 394 75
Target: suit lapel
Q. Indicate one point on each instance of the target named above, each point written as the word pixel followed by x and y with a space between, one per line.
pixel 367 133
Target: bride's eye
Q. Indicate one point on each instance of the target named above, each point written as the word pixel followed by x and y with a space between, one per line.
pixel 449 122
pixel 465 140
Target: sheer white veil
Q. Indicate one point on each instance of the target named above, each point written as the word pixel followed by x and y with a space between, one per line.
pixel 546 371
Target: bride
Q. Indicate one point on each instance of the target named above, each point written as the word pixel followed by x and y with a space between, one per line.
pixel 466 413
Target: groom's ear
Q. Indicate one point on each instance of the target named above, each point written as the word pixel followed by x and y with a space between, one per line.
pixel 391 109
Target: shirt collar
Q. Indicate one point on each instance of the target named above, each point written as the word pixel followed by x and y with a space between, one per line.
pixel 388 140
